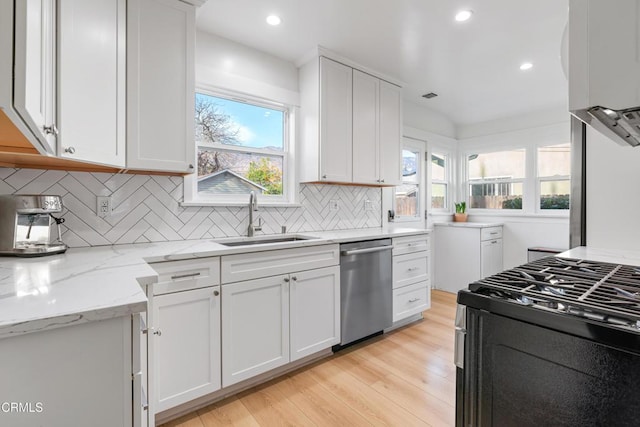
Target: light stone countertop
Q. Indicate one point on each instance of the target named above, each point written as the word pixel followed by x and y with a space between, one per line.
pixel 613 256
pixel 468 224
pixel 88 284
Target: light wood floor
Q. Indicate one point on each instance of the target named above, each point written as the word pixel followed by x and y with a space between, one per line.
pixel 404 378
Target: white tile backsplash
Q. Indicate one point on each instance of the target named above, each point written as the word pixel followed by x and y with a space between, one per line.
pixel 146 208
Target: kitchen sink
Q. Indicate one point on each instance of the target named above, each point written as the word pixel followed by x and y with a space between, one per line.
pixel 252 241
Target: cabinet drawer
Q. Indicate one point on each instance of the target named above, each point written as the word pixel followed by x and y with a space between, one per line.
pixel 271 263
pixel 410 244
pixel 176 276
pixel 410 268
pixel 410 300
pixel 491 233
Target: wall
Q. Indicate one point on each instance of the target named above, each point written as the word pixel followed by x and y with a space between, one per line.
pixel 222 63
pixel 613 174
pixel 147 208
pixel 418 117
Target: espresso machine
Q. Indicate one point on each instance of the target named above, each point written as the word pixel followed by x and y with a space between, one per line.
pixel 29 225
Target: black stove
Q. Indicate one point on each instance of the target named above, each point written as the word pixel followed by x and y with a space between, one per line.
pixel 552 342
pixel 603 292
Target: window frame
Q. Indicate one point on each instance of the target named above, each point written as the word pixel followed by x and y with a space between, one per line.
pixel 530 190
pixel 539 180
pixel 448 163
pixel 416 146
pixel 289 185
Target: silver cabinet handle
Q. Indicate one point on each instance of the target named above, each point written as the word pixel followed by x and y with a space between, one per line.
pixel 51 130
pixel 367 250
pixel 182 276
pixel 493 233
pixel 382 180
pixel 190 166
pixel 412 268
pixel 324 176
pixel 294 278
pixel 216 293
pixel 286 280
pixel 494 242
pixel 70 150
pixel 414 299
pixel 157 332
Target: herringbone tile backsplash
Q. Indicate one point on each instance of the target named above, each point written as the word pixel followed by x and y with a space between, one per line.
pixel 146 208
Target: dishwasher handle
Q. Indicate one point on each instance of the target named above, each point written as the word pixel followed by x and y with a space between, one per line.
pixel 367 250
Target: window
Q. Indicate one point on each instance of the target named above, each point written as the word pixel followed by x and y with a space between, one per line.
pixel 242 146
pixel 439 181
pixel 554 181
pixel 496 180
pixel 408 194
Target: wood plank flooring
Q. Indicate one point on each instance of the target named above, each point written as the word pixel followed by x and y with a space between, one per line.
pixel 404 378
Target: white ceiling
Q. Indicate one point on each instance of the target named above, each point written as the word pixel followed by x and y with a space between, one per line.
pixel 472 66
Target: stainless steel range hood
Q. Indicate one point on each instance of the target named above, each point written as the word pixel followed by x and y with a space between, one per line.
pixel 604 66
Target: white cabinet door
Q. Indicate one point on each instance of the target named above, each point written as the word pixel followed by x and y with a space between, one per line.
pixel 390 131
pixel 160 85
pixel 91 78
pixel 491 255
pixel 34 66
pixel 365 128
pixel 315 311
pixel 185 346
pixel 255 327
pixel 335 121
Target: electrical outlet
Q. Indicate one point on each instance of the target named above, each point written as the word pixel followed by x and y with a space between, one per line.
pixel 103 206
pixel 368 205
pixel 333 205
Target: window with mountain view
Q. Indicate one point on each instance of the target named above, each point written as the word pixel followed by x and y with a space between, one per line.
pixel 242 147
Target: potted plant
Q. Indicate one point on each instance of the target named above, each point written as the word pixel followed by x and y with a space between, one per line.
pixel 460 215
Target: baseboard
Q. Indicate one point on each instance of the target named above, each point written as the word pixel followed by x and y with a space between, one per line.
pixel 201 402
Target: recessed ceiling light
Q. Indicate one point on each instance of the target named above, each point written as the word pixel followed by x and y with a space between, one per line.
pixel 273 20
pixel 463 15
pixel 526 66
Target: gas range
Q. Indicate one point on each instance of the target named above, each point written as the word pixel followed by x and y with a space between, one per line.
pixel 552 342
pixel 598 291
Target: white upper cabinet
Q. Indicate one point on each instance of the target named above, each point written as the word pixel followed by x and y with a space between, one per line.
pixel 350 125
pixel 366 159
pixel 91 80
pixel 390 133
pixel 34 81
pixel 377 129
pixel 335 123
pixel 160 85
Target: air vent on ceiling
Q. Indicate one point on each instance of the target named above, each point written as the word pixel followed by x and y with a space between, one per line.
pixel 430 95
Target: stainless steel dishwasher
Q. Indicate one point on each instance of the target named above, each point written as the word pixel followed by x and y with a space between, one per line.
pixel 365 289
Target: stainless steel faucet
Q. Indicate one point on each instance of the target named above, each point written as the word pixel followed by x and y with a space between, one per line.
pixel 253 206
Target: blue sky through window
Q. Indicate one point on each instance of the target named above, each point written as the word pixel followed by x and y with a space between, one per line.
pixel 258 127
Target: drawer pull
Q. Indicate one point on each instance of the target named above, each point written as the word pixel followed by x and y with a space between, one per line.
pixel 494 233
pixel 182 276
pixel 412 268
pixel 414 299
pixel 494 242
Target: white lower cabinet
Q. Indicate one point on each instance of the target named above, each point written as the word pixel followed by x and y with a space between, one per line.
pixel 491 257
pixel 255 327
pixel 411 276
pixel 314 304
pixel 77 375
pixel 410 300
pixel 185 345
